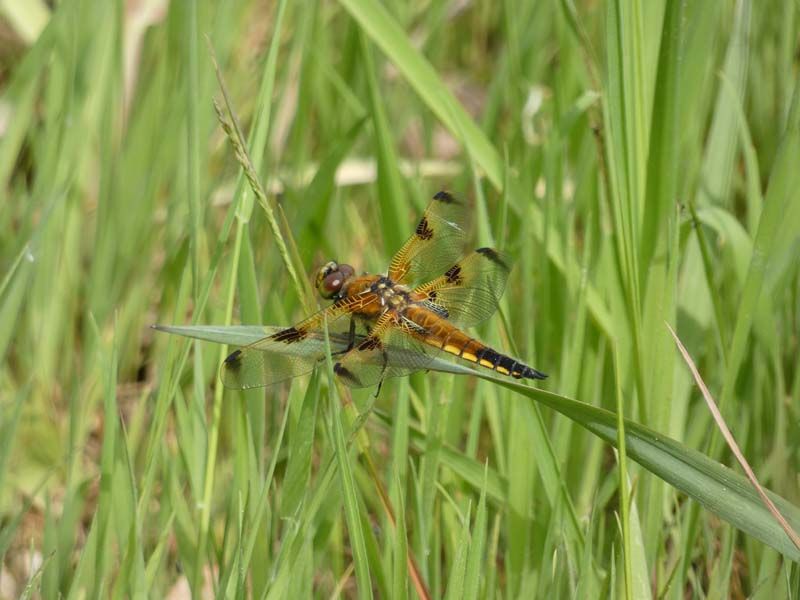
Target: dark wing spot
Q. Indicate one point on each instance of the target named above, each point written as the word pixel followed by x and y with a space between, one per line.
pixel 346 375
pixel 424 231
pixel 445 197
pixel 290 335
pixel 492 255
pixel 234 360
pixel 371 343
pixel 453 274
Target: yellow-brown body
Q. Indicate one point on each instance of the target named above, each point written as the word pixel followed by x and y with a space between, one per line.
pixel 406 309
pixel 406 326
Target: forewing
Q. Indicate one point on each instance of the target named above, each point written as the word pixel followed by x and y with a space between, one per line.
pixel 290 352
pixel 272 363
pixel 437 242
pixel 470 290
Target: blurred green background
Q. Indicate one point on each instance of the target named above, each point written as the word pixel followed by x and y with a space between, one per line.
pixel 640 160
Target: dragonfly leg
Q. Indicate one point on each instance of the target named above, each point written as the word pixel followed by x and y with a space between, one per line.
pixel 351 334
pixel 351 338
pixel 378 391
pixel 383 372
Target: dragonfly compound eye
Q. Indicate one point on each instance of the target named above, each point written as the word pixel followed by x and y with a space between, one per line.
pixel 331 278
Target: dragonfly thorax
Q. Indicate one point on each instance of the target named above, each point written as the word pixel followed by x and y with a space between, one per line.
pixel 391 295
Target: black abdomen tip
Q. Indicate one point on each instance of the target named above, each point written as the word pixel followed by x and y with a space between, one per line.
pixel 530 373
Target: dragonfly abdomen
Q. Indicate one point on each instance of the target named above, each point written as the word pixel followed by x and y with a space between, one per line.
pixel 455 342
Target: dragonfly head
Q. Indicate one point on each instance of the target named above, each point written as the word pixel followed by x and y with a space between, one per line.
pixel 332 277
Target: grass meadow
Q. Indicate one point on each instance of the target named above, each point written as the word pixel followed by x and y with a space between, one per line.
pixel 640 160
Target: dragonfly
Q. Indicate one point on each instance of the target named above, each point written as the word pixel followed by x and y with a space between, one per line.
pixel 391 325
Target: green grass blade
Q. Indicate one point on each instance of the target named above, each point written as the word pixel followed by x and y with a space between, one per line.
pixel 390 189
pixel 718 163
pixel 455 584
pixel 242 335
pixel 298 469
pixel 192 147
pixel 352 508
pixel 662 156
pixel 400 549
pixel 781 199
pixel 624 490
pixel 720 490
pixel 475 560
pixel 125 471
pixel 387 34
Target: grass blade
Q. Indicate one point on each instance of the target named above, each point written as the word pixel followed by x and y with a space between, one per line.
pixel 725 493
pixel 731 441
pixel 352 508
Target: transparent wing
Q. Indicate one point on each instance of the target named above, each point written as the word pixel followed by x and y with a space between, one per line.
pixel 469 291
pixel 437 242
pixel 290 352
